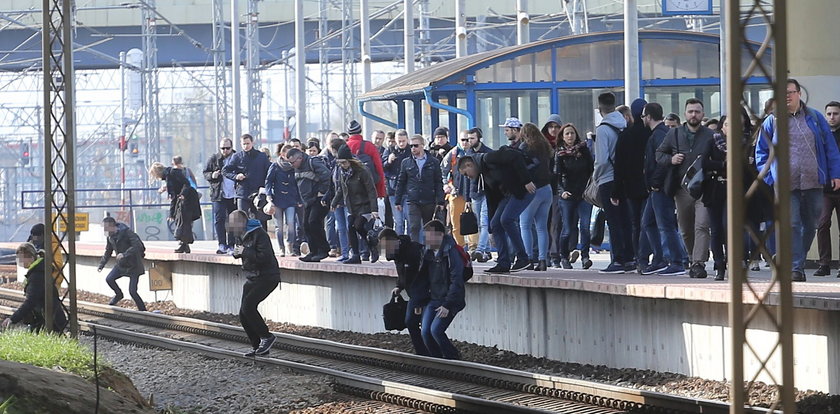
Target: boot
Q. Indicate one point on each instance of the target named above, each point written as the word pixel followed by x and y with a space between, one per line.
pixel 355 259
pixel 542 266
pixel 182 248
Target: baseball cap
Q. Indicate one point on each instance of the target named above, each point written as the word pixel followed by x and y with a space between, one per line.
pixel 512 123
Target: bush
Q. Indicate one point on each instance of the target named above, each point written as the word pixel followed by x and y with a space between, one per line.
pixel 46 351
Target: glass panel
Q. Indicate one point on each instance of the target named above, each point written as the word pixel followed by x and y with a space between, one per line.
pixel 500 72
pixel 679 59
pixel 494 107
pixel 591 61
pixel 673 99
pixel 746 59
pixel 578 106
pixel 528 68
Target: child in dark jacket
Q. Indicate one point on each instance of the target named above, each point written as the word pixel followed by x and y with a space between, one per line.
pixel 406 256
pixel 262 273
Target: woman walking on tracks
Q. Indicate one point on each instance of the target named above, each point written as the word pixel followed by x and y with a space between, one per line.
pixel 262 274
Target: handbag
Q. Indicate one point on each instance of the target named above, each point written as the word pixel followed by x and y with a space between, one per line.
pixel 469 222
pixel 393 313
pixel 692 181
pixel 374 227
pixel 590 194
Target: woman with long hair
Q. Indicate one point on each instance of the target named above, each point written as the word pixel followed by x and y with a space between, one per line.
pixel 538 153
pixel 573 166
pixel 282 192
pixel 356 192
pixel 184 207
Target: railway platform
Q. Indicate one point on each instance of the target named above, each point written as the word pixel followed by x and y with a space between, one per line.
pixel 661 323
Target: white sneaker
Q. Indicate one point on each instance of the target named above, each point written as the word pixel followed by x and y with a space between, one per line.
pixel 304 248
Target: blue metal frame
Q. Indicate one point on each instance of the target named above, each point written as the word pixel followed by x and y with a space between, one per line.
pixel 451 109
pixel 376 118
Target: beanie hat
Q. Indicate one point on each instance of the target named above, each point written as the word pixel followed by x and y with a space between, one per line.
pixel 344 152
pixel 37 230
pixel 637 106
pixel 441 131
pixel 354 128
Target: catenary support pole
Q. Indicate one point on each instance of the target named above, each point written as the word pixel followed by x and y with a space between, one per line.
pixel 523 34
pixel 408 35
pixel 235 66
pixel 460 28
pixel 300 73
pixel 631 51
pixel 364 17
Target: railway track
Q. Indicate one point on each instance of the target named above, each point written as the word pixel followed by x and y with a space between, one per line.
pixel 424 383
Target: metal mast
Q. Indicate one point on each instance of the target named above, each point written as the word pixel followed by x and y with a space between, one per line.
pixel 252 69
pixel 324 66
pixel 425 34
pixel 577 15
pixel 220 69
pixel 150 82
pixel 348 60
pixel 59 153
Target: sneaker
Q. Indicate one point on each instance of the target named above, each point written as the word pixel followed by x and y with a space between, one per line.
pixel 304 248
pixel 556 263
pixel 754 266
pixel 654 268
pixel 697 271
pixel 334 252
pixel 823 271
pixel 353 260
pixel 520 264
pixel 475 255
pixel 250 354
pixel 343 259
pixel 366 257
pixel 720 274
pixel 307 258
pixel 574 256
pixel 222 249
pixel 566 264
pixel 485 257
pixel 498 269
pixel 614 268
pixel 265 345
pixel 630 266
pixel 318 257
pixel 118 297
pixel 672 270
pixel 586 263
pixel 798 276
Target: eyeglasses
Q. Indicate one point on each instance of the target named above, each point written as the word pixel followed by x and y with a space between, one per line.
pixel 224 148
pixel 465 140
pixel 789 93
pixel 415 145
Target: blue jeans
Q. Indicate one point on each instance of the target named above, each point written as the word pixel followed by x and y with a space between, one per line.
pixel 400 217
pixel 221 210
pixel 412 323
pixel 664 208
pixel 577 216
pixel 479 206
pixel 285 217
pixel 618 221
pixel 536 213
pixel 650 241
pixel 340 215
pixel 332 234
pixel 433 330
pixel 504 225
pixel 805 209
pixel 111 280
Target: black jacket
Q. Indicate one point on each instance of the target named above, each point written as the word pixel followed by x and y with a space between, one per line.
pixel 313 178
pixel 714 167
pixel 258 258
pixel 407 261
pixel 420 187
pixel 445 272
pixel 475 191
pixel 630 162
pixel 656 174
pixel 435 150
pixel 573 170
pixel 392 169
pixel 126 242
pixel 355 191
pixel 254 164
pixel 34 301
pixel 540 166
pixel 675 142
pixel 215 163
pixel 503 173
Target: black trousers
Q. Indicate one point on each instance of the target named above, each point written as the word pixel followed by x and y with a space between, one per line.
pixel 313 225
pixel 255 291
pixel 356 230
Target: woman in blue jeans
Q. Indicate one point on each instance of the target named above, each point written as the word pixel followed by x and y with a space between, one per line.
pixel 573 167
pixel 538 161
pixel 282 192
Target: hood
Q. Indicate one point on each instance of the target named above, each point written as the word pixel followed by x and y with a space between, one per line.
pixel 121 227
pixel 636 109
pixel 615 119
pixel 551 118
pixel 252 225
pixel 478 158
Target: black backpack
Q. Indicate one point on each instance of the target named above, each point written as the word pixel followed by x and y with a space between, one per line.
pixel 368 162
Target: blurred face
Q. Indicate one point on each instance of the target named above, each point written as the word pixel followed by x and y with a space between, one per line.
pixel 109 228
pixel 469 169
pixel 433 239
pixel 569 136
pixel 694 115
pixel 553 129
pixel 226 147
pixel 512 134
pixel 725 127
pixel 793 98
pixel 832 115
pixel 417 148
pixel 247 144
pixel 23 260
pixel 236 224
pixel 312 151
pixel 344 164
pixel 474 140
pixel 379 138
pixel 402 141
pixel 391 246
pixel 441 140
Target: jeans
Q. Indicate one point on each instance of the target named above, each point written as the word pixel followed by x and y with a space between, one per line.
pixel 255 291
pixel 618 221
pixel 577 215
pixel 650 233
pixel 340 215
pixel 412 323
pixel 332 233
pixel 400 217
pixel 536 213
pixel 285 218
pixel 805 209
pixel 433 330
pixel 221 211
pixel 313 225
pixel 479 206
pixel 666 222
pixel 115 274
pixel 418 215
pixel 504 225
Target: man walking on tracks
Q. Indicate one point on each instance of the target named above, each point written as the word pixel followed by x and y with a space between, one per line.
pixel 130 251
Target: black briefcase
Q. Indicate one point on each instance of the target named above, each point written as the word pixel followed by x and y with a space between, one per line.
pixel 469 222
pixel 393 313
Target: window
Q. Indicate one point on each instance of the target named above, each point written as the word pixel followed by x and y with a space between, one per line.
pixel 591 61
pixel 494 107
pixel 533 67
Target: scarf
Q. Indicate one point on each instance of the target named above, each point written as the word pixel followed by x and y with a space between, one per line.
pixel 345 174
pixel 573 151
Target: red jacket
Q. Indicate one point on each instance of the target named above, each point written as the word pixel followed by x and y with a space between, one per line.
pixel 355 142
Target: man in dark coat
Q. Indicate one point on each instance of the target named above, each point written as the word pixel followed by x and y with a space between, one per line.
pixel 130 251
pixel 33 305
pixel 248 169
pixel 419 184
pixel 407 256
pixel 313 179
pixel 222 193
pixel 262 275
pixel 391 161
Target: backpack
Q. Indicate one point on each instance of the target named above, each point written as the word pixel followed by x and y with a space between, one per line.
pixel 468 268
pixel 368 162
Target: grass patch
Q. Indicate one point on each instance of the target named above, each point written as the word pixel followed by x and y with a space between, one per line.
pixel 46 351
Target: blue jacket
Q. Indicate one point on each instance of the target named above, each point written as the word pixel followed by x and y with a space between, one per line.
pixel 475 192
pixel 254 164
pixel 828 156
pixel 420 187
pixel 281 185
pixel 392 169
pixel 313 178
pixel 445 274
